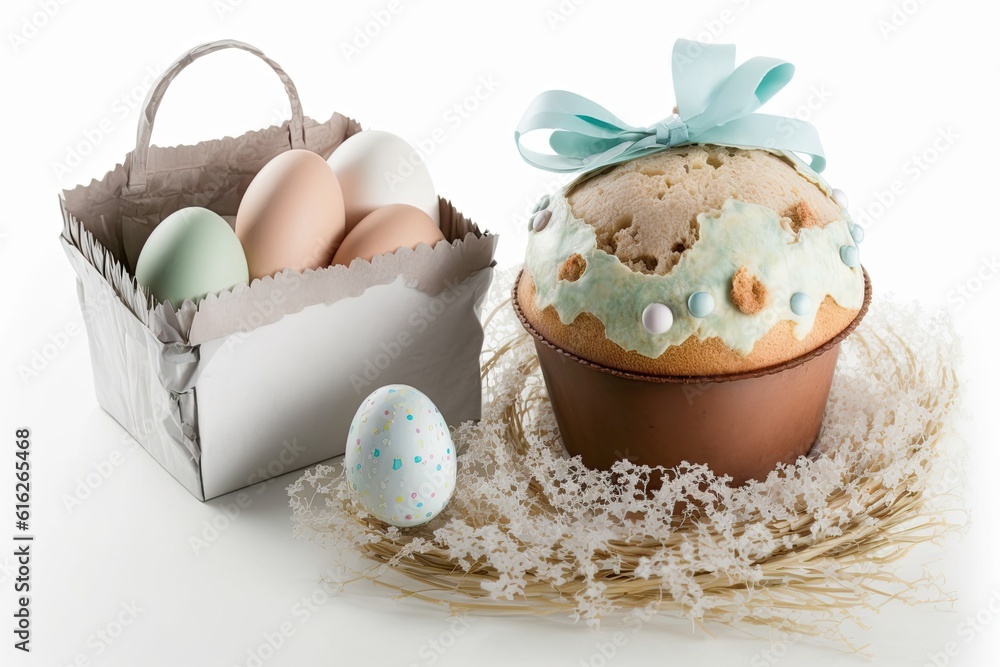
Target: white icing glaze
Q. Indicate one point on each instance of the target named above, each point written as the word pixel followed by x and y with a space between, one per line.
pixel 740 234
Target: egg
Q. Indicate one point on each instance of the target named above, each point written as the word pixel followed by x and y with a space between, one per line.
pixel 388 229
pixel 378 168
pixel 292 215
pixel 400 460
pixel 191 253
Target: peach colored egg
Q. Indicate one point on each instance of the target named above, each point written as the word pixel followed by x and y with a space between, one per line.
pixel 388 229
pixel 292 215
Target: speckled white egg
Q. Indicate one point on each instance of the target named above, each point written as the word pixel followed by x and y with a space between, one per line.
pixel 400 459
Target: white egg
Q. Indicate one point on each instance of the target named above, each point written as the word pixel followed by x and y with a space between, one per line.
pixel 378 168
pixel 400 459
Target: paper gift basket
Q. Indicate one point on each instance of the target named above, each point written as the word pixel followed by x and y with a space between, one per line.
pixel 263 379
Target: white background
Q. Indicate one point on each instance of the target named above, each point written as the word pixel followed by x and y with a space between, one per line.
pixel 71 83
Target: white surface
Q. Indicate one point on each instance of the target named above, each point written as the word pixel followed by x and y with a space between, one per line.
pixel 452 77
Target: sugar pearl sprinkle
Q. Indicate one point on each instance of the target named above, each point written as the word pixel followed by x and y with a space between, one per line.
pixel 849 255
pixel 840 197
pixel 801 303
pixel 657 318
pixel 540 220
pixel 701 304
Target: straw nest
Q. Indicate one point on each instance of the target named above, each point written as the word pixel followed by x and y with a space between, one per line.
pixel 530 530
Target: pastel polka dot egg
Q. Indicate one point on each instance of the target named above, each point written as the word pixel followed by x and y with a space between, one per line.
pixel 400 459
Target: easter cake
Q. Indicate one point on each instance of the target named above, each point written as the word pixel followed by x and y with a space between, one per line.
pixel 688 292
pixel 748 261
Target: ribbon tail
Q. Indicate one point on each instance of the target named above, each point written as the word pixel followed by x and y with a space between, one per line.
pixel 615 152
pixel 584 134
pixel 769 132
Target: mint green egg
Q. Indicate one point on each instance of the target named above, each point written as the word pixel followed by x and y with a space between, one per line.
pixel 193 252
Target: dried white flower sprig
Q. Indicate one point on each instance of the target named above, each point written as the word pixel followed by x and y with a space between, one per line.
pixel 813 545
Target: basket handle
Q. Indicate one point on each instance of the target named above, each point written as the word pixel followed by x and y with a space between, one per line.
pixel 136 182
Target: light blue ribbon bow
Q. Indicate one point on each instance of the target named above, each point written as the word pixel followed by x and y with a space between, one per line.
pixel 716 102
